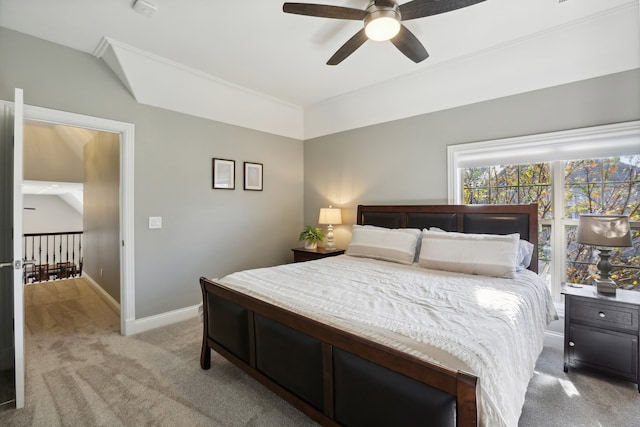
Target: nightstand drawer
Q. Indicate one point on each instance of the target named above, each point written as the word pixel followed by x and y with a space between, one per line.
pixel 604 315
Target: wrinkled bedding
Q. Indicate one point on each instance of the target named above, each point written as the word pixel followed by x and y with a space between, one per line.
pixel 490 327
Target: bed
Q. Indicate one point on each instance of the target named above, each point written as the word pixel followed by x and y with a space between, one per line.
pixel 365 363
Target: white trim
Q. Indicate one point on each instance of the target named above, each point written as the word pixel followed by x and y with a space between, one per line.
pixel 127 236
pixel 106 42
pixel 18 287
pixel 559 308
pixel 115 305
pixel 555 339
pixel 597 141
pixel 165 319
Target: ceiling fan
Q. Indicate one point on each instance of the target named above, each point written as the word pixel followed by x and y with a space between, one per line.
pixel 381 22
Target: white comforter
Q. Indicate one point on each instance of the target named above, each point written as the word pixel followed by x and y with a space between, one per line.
pixel 493 328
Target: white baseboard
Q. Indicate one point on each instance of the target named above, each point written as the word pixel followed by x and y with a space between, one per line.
pixel 163 319
pixel 555 339
pixel 559 308
pixel 115 305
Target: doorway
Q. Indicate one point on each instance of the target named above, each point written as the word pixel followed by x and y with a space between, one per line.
pixel 126 232
pixel 71 206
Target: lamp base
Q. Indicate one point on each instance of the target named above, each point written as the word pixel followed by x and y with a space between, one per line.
pixel 605 286
pixel 330 245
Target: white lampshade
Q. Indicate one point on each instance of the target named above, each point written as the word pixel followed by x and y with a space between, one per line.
pixel 330 215
pixel 605 231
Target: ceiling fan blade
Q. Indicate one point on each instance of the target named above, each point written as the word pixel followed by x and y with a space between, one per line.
pixel 348 48
pixel 409 44
pixel 421 8
pixel 324 11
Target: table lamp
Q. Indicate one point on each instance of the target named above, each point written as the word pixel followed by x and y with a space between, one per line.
pixel 604 232
pixel 330 216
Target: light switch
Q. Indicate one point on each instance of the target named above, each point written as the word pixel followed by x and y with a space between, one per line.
pixel 155 222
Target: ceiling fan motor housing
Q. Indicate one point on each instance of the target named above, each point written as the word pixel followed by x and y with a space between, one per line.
pixel 382 22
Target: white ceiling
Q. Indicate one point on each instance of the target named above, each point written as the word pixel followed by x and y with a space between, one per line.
pixel 50 188
pixel 251 52
pixel 70 192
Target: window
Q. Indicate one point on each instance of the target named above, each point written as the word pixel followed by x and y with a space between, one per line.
pixel 509 184
pixel 543 169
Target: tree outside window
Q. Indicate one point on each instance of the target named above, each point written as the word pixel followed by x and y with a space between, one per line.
pixel 603 186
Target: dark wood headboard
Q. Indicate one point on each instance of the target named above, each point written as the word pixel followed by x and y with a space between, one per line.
pixel 487 219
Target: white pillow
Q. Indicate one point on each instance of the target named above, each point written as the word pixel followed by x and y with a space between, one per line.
pixel 525 251
pixel 396 245
pixel 485 254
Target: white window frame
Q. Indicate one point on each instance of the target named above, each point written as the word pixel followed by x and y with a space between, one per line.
pixel 613 140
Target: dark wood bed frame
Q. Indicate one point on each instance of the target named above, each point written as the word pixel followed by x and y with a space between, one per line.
pixel 337 378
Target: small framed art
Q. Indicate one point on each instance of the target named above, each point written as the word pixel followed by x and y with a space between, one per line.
pixel 224 174
pixel 253 176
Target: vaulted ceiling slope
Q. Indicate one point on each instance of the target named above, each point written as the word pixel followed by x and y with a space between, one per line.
pixel 247 63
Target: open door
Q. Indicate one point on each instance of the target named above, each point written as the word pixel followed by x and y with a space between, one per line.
pixel 11 266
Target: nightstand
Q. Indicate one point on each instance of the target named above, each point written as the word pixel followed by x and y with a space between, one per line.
pixel 601 332
pixel 302 254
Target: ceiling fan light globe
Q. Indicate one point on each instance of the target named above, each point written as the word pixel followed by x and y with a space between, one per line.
pixel 382 29
pixel 381 22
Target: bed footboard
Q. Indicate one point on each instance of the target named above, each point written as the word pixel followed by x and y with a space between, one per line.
pixel 332 376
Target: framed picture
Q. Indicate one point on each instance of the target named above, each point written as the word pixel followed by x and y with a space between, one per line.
pixel 224 174
pixel 253 176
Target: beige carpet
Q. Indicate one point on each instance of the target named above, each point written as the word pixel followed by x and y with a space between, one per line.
pixel 81 372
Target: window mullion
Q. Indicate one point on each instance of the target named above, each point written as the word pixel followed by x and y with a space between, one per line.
pixel 558 243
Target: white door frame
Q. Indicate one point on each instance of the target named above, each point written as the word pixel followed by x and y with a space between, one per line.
pixel 127 133
pixel 18 272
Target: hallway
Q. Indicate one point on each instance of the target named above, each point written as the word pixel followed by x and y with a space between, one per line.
pixel 60 308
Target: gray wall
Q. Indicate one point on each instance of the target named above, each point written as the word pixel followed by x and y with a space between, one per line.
pixel 101 250
pixel 205 232
pixel 405 161
pixel 51 214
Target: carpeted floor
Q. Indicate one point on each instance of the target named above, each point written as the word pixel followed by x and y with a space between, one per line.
pixel 81 372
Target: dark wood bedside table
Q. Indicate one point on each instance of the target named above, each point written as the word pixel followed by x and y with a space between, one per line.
pixel 302 254
pixel 601 332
